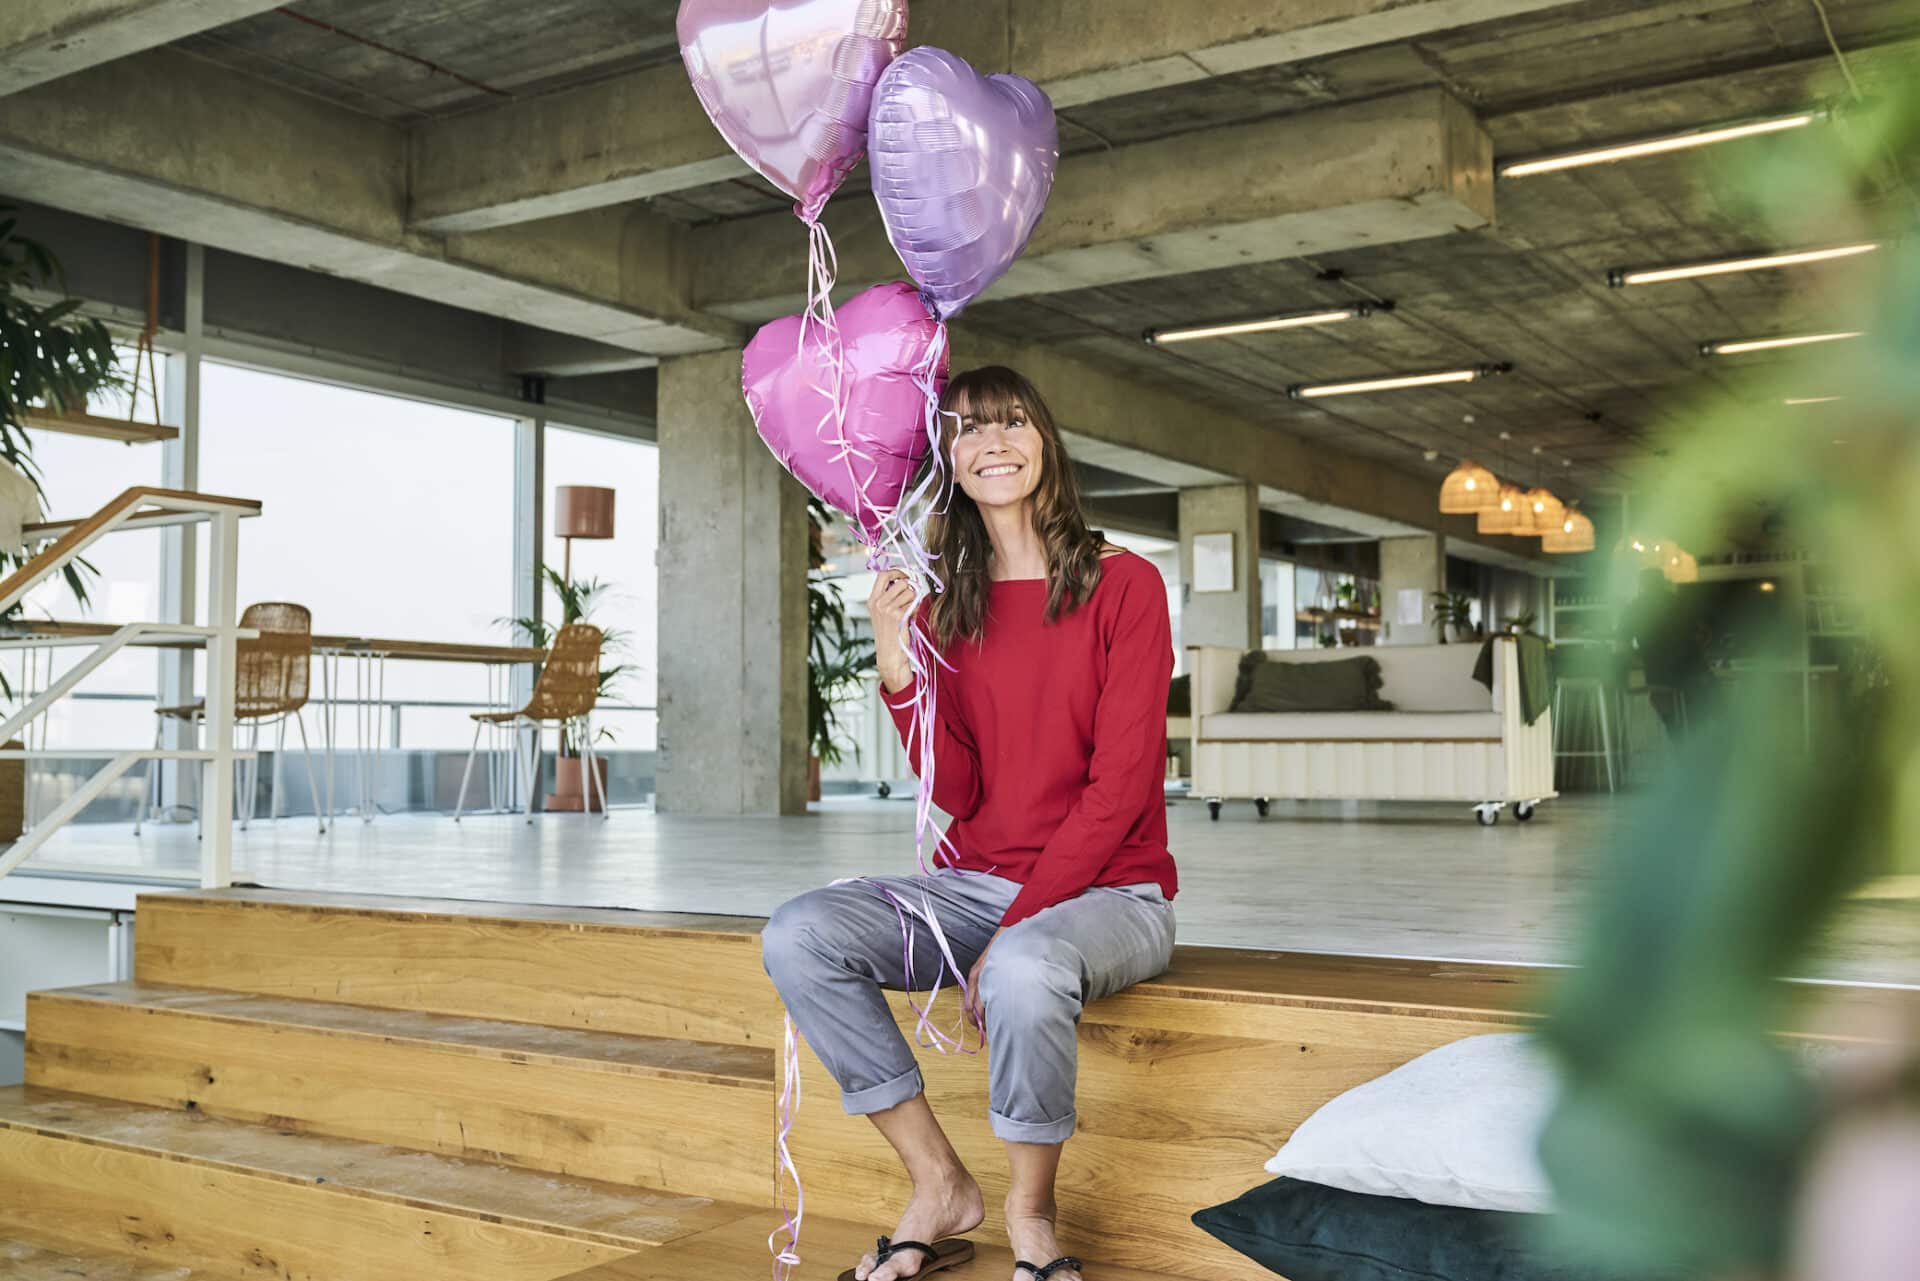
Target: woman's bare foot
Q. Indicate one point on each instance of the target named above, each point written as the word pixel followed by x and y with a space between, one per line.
pixel 1031 1235
pixel 948 1208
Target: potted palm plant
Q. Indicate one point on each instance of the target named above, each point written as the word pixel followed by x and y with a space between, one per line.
pixel 52 358
pixel 1453 612
pixel 578 601
pixel 837 659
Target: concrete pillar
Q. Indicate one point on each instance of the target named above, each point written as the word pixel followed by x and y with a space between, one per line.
pixel 733 603
pixel 1222 617
pixel 1411 570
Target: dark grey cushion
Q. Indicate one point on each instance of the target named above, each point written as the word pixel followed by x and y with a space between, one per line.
pixel 1306 1232
pixel 1341 685
pixel 1180 696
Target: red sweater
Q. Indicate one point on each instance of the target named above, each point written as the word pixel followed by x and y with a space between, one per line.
pixel 1050 746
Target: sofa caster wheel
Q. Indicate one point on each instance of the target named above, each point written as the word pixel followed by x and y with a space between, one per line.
pixel 1261 805
pixel 1487 815
pixel 1523 811
pixel 886 790
pixel 1213 810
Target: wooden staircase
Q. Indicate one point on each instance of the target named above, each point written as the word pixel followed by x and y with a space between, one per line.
pixel 332 1088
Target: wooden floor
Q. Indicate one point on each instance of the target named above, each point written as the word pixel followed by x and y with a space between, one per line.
pixel 1417 881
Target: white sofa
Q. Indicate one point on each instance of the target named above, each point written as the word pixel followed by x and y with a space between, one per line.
pixel 1447 738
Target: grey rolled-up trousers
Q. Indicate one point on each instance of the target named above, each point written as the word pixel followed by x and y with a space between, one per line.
pixel 831 951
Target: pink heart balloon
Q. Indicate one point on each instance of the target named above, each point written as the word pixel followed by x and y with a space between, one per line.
pixel 962 167
pixel 886 335
pixel 789 83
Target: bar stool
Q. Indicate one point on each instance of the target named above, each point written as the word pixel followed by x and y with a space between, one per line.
pixel 1584 697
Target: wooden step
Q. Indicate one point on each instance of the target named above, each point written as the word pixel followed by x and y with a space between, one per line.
pixel 827 1248
pixel 28 1256
pixel 695 978
pixel 247 1200
pixel 692 1116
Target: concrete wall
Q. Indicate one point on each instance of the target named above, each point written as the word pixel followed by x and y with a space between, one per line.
pixel 1222 618
pixel 733 603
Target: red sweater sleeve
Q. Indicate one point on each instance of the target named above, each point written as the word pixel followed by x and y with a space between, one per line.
pixel 1129 752
pixel 956 760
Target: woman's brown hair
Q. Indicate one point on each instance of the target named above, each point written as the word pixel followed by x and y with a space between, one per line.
pixel 958 537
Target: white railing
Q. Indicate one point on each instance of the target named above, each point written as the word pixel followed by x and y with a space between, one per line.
pixel 142 508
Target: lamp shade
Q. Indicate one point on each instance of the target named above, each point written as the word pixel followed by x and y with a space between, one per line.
pixel 582 511
pixel 1468 488
pixel 1574 534
pixel 1507 514
pixel 1541 513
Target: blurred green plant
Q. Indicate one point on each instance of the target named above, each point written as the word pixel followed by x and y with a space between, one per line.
pixel 1686 1128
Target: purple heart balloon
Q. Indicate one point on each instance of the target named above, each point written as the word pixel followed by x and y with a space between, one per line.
pixel 789 83
pixel 886 335
pixel 962 166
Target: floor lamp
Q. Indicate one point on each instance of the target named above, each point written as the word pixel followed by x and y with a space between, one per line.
pixel 580 511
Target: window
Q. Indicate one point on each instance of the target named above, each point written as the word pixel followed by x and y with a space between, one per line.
pixel 387 518
pixel 1277 614
pixel 114 706
pixel 625 564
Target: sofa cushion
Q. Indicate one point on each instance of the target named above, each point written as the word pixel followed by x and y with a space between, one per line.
pixel 1414 678
pixel 1362 726
pixel 1306 1232
pixel 1348 685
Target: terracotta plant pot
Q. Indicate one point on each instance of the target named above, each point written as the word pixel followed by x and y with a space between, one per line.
pixel 568 785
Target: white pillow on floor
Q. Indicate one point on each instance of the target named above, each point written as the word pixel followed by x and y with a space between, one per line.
pixel 1457 1126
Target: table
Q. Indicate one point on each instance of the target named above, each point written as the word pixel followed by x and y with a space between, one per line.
pixel 369 655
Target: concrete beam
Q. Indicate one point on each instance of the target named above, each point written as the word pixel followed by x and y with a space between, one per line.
pixel 1161 435
pixel 42 40
pixel 167 143
pixel 644 134
pixel 1400 168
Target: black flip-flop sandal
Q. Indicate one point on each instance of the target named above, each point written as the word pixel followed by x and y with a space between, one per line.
pixel 1041 1274
pixel 949 1253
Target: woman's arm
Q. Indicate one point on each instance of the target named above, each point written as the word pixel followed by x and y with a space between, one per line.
pixel 1129 752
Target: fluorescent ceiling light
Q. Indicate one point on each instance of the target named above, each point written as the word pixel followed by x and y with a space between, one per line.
pixel 1736 347
pixel 1620 276
pixel 1313 391
pixel 1811 400
pixel 1654 146
pixel 1267 324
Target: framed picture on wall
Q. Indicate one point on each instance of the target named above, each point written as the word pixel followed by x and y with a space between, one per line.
pixel 1213 567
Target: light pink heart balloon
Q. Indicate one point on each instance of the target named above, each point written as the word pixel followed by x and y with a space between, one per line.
pixel 886 335
pixel 788 83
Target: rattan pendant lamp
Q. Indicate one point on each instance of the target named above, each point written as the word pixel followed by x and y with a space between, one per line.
pixel 1541 513
pixel 1574 534
pixel 1468 489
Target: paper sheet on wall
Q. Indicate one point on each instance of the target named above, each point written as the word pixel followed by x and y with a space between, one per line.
pixel 1411 611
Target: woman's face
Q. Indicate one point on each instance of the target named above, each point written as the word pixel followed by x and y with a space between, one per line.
pixel 997 464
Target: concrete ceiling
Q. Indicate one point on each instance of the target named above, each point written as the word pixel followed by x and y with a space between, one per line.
pixel 409 60
pixel 452 94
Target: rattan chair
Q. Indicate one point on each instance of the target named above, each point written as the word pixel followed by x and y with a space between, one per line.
pixel 564 694
pixel 272 676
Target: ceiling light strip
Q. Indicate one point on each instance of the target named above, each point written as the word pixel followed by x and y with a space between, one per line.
pixel 1739 346
pixel 1620 276
pixel 1315 391
pixel 1656 146
pixel 1266 324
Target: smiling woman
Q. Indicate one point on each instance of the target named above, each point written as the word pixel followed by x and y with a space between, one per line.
pixel 1006 455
